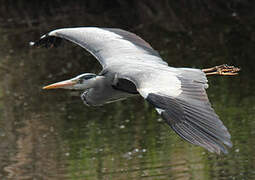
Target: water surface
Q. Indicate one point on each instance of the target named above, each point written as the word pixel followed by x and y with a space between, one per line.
pixel 53 135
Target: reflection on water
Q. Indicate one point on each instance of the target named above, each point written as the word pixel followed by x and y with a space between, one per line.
pixel 52 135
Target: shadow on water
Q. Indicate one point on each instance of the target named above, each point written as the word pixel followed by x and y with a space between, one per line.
pixel 52 135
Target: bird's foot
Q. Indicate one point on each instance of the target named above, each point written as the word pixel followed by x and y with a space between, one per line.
pixel 223 70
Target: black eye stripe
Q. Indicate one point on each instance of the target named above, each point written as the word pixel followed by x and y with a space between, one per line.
pixel 86 77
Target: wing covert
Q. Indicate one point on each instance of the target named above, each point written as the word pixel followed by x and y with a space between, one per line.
pixel 180 98
pixel 108 45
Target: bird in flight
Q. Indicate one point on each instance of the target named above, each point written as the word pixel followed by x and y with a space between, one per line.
pixel 130 66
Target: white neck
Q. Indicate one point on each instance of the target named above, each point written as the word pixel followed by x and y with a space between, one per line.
pixel 96 82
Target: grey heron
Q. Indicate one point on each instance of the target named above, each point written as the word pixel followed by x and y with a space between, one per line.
pixel 130 66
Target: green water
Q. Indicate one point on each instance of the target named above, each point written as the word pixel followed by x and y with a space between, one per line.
pixel 53 135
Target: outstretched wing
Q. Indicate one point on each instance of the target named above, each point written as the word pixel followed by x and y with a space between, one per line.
pixel 179 96
pixel 108 45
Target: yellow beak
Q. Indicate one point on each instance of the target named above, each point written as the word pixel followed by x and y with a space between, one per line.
pixel 62 84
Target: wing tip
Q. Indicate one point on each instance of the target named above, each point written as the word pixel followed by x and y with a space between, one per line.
pixel 47 41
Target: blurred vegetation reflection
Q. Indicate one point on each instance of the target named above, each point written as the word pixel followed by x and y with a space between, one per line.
pixel 52 135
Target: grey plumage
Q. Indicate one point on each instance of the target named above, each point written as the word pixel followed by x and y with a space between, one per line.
pixel 193 122
pixel 131 66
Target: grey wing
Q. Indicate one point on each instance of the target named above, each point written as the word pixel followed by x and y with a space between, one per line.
pixel 110 46
pixel 179 96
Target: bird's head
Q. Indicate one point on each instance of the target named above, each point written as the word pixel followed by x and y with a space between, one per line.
pixel 81 82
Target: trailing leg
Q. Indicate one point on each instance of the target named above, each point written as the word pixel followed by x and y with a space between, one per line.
pixel 223 70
